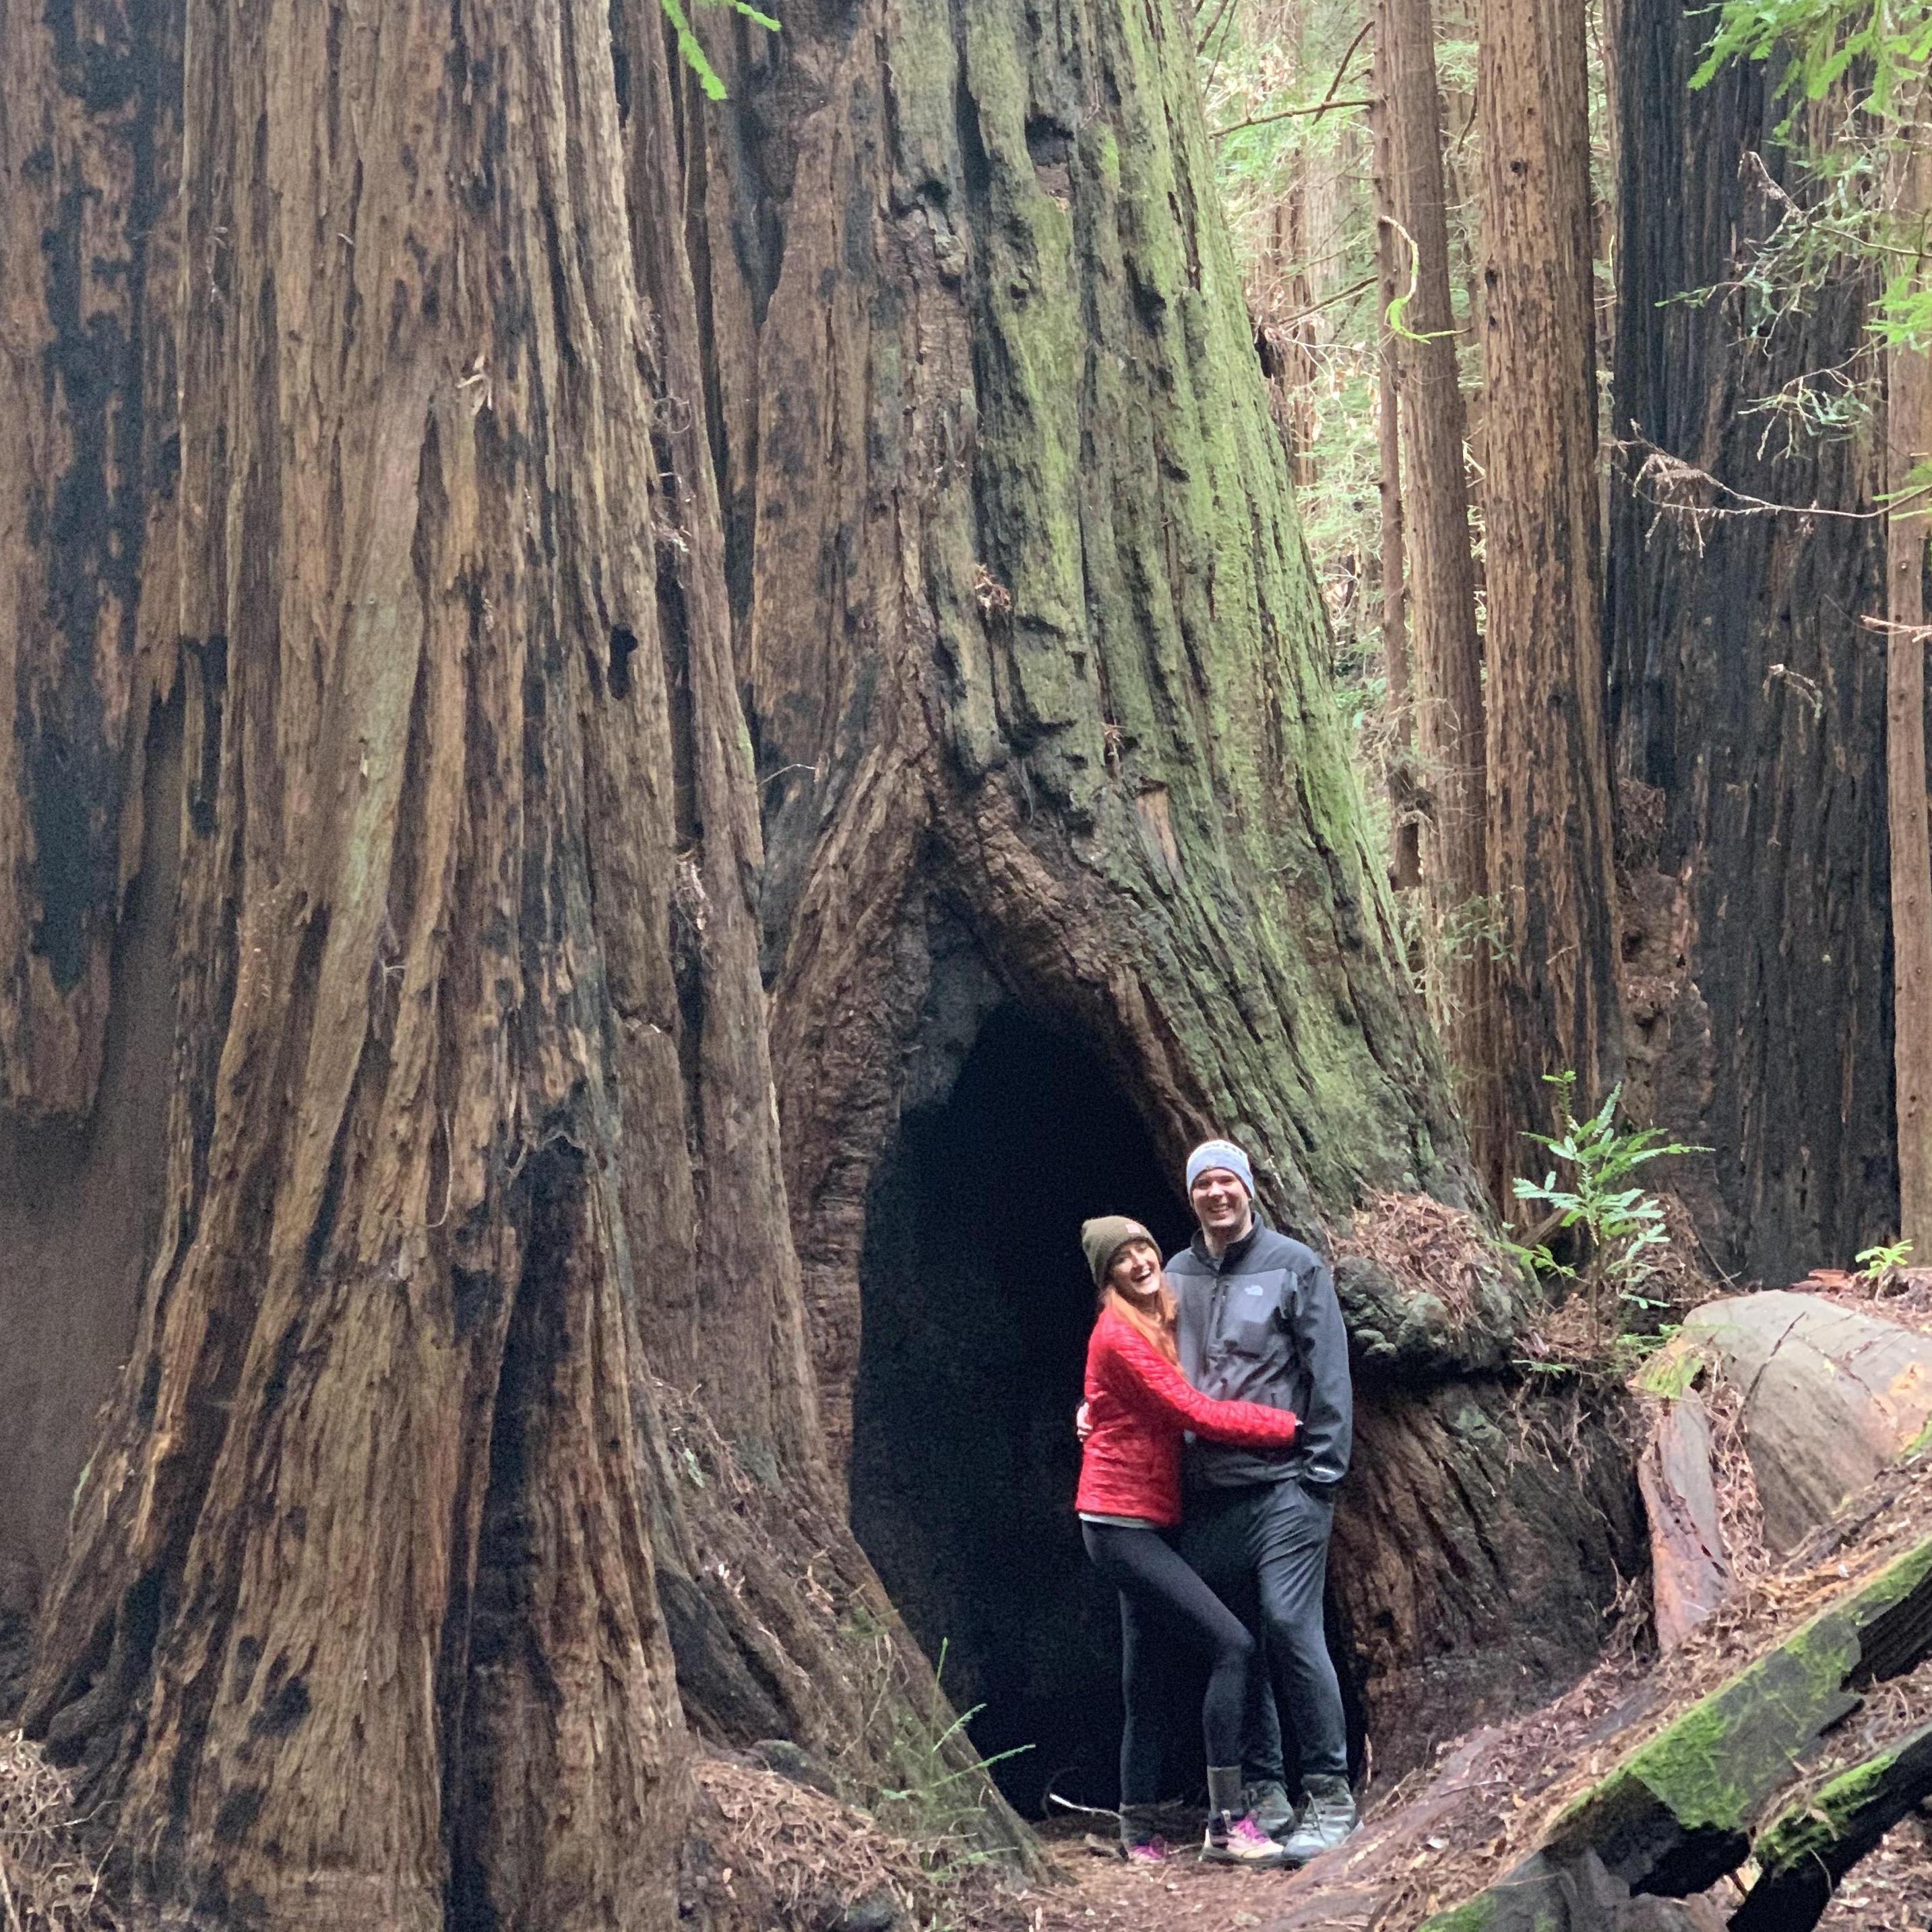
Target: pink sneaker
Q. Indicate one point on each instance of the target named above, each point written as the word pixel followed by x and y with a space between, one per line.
pixel 1240 1841
pixel 1154 1851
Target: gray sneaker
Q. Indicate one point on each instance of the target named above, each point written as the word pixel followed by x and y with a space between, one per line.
pixel 1268 1804
pixel 1326 1818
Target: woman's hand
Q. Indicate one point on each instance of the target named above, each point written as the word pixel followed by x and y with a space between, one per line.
pixel 1083 1422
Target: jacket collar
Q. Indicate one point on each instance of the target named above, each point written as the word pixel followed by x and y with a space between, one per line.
pixel 1237 1251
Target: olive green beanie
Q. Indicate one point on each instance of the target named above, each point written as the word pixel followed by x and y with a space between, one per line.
pixel 1104 1237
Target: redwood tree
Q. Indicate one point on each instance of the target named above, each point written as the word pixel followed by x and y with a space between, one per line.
pixel 610 545
pixel 1550 823
pixel 1908 445
pixel 1448 648
pixel 1745 690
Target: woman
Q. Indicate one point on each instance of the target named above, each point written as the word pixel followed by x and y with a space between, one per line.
pixel 1138 1405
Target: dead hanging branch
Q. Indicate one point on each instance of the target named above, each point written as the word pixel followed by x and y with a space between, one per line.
pixel 1675 488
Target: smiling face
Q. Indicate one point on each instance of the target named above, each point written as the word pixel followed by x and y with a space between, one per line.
pixel 1135 1269
pixel 1220 1203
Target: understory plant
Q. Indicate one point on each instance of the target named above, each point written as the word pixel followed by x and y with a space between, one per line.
pixel 1615 1226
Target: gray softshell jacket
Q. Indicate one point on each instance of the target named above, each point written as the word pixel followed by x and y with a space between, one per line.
pixel 1263 1324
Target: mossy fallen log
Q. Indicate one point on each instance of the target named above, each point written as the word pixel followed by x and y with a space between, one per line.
pixel 1810 1847
pixel 1678 1812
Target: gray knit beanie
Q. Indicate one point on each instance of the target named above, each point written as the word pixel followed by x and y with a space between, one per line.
pixel 1104 1237
pixel 1220 1153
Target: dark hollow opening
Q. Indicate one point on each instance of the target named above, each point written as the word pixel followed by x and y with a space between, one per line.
pixel 977 1304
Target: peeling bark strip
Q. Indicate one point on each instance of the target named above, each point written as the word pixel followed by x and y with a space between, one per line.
pixel 1690 1573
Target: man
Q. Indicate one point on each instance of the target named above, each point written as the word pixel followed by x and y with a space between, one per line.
pixel 1259 1322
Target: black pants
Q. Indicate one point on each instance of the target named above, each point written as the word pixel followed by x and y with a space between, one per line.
pixel 1263 1549
pixel 1162 1599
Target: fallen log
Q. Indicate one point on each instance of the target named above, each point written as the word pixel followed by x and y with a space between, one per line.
pixel 1832 1397
pixel 1805 1854
pixel 1678 1812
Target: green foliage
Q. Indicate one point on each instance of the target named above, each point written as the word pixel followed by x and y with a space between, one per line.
pixel 1887 42
pixel 691 50
pixel 1860 65
pixel 1621 1225
pixel 935 1804
pixel 1873 1262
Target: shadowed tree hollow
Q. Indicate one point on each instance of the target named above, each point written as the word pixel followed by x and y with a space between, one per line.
pixel 671 613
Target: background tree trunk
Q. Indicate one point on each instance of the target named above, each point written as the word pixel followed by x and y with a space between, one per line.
pixel 1908 445
pixel 543 428
pixel 1405 840
pixel 1549 803
pixel 1745 691
pixel 1448 650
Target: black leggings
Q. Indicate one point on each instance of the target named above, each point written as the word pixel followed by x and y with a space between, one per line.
pixel 1160 1596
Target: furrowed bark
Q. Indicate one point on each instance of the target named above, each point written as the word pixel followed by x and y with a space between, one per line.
pixel 1550 825
pixel 340 1517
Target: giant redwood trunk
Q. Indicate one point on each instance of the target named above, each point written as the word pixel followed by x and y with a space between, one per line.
pixel 1055 790
pixel 502 554
pixel 1744 688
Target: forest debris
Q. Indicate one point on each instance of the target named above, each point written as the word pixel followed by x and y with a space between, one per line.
pixel 1426 1244
pixel 1510 1785
pixel 48 1882
pixel 1675 1815
pixel 764 1852
pixel 1422 1288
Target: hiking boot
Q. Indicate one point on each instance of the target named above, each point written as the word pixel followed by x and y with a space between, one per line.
pixel 1240 1841
pixel 1268 1805
pixel 1141 1843
pixel 1326 1818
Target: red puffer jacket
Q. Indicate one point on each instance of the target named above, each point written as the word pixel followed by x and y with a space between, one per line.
pixel 1138 1402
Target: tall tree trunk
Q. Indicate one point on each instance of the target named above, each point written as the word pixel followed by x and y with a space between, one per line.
pixel 1406 830
pixel 1908 445
pixel 569 468
pixel 1550 823
pixel 398 1518
pixel 1448 649
pixel 1744 688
